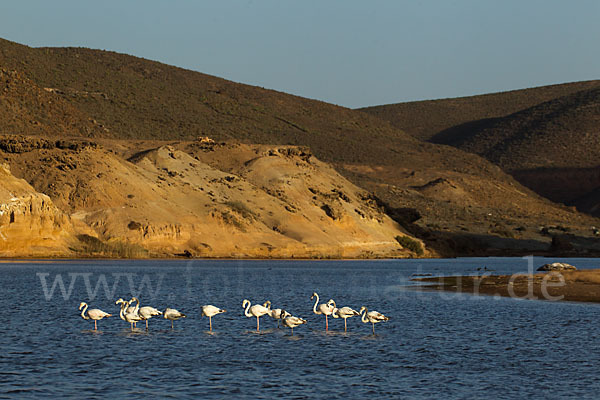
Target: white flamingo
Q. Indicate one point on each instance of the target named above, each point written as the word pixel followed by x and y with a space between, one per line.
pixel 292 322
pixel 372 316
pixel 276 313
pixel 255 311
pixel 127 316
pixel 210 311
pixel 279 314
pixel 145 312
pixel 133 309
pixel 345 313
pixel 323 309
pixel 94 314
pixel 173 315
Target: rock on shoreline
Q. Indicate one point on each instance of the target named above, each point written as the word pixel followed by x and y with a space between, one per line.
pixel 557 266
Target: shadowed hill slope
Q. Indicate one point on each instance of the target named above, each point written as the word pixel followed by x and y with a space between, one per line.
pixel 551 147
pixel 548 138
pixel 563 132
pixel 426 119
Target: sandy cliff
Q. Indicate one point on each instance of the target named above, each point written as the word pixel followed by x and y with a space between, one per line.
pixel 30 224
pixel 202 199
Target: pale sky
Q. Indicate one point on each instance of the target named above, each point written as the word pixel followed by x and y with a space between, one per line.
pixel 348 52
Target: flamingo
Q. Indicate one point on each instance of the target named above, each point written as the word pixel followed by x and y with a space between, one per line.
pixel 145 312
pixel 133 310
pixel 95 314
pixel 173 315
pixel 345 313
pixel 276 313
pixel 372 316
pixel 210 311
pixel 279 314
pixel 292 322
pixel 325 309
pixel 127 316
pixel 255 311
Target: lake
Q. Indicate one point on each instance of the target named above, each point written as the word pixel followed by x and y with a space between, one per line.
pixel 435 344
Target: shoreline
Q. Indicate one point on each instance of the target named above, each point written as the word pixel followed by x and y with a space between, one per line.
pixel 577 286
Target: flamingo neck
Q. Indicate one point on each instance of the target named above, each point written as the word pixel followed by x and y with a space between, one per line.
pixel 137 305
pixel 316 303
pixel 364 316
pixel 85 307
pixel 247 310
pixel 124 305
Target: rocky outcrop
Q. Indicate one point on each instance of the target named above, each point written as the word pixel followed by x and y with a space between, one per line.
pixel 557 266
pixel 30 224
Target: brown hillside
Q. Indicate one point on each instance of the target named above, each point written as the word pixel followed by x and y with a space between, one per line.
pixel 563 132
pixel 26 108
pixel 459 202
pixel 142 99
pixel 426 119
pixel 552 147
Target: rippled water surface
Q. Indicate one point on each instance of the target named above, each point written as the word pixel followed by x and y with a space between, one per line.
pixel 435 345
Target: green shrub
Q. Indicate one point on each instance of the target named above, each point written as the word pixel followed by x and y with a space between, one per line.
pixel 410 244
pixel 92 246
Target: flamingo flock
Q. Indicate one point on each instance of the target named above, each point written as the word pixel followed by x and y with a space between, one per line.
pixel 132 313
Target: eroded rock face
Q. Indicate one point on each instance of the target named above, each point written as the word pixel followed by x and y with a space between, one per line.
pixel 236 200
pixel 30 224
pixel 557 266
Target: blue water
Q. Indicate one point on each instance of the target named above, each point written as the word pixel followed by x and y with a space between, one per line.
pixel 435 345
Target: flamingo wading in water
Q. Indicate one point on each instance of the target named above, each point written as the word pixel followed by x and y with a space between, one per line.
pixel 345 313
pixel 372 316
pixel 277 313
pixel 255 311
pixel 173 315
pixel 145 312
pixel 126 316
pixel 292 322
pixel 210 311
pixel 94 314
pixel 323 309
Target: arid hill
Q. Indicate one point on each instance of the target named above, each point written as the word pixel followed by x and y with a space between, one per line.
pixel 547 137
pixel 560 133
pixel 459 203
pixel 426 119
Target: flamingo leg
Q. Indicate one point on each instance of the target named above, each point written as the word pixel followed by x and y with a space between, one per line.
pixel 95 325
pixel 326 323
pixel 210 322
pixel 292 331
pixel 373 328
pixel 171 324
pixel 345 325
pixel 146 324
pixel 257 324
